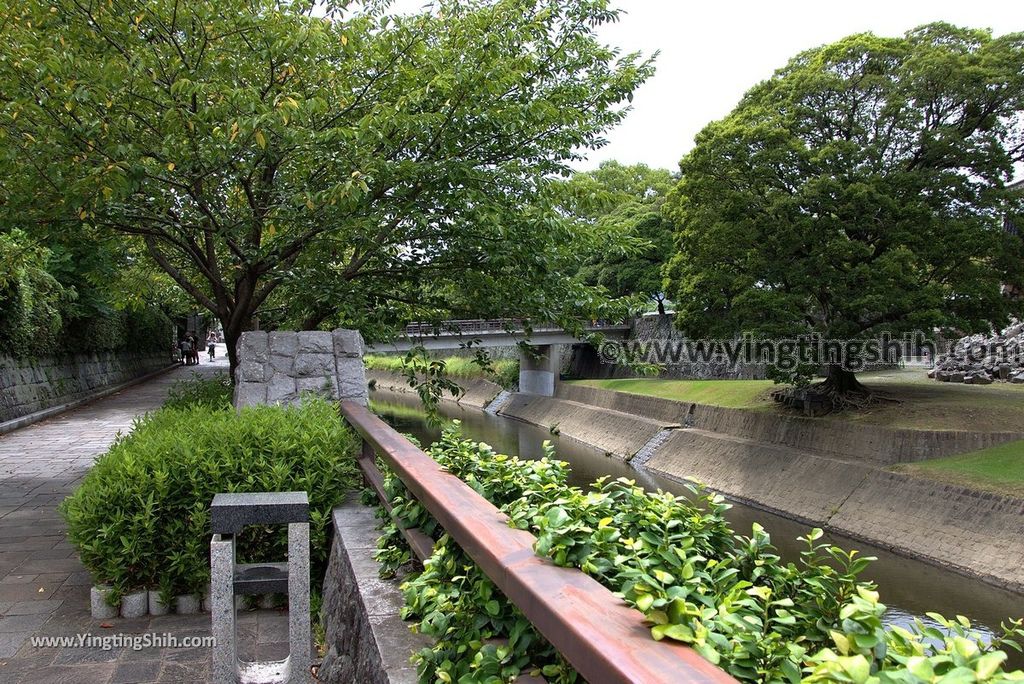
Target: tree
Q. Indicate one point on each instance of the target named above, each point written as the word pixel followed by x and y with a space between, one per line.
pixel 320 167
pixel 859 190
pixel 625 201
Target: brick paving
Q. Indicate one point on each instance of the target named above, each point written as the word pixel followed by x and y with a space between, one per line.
pixel 44 589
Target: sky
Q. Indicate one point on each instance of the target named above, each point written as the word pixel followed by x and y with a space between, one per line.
pixel 712 51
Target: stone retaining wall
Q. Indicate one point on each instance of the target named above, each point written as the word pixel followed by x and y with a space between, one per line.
pixel 278 367
pixel 366 640
pixel 31 385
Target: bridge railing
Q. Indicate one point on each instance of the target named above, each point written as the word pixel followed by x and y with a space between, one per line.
pixel 500 325
pixel 604 639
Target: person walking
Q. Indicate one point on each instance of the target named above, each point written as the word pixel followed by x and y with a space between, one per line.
pixel 211 344
pixel 186 350
pixel 193 342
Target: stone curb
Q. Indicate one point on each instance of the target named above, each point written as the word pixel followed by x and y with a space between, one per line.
pixel 29 419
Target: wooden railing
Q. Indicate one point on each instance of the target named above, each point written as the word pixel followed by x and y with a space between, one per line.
pixel 604 639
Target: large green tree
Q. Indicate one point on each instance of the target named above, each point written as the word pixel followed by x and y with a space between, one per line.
pixel 859 190
pixel 319 168
pixel 624 201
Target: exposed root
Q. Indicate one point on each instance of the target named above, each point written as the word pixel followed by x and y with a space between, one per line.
pixel 839 393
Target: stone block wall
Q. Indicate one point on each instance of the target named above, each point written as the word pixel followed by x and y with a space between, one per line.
pixel 279 367
pixel 31 385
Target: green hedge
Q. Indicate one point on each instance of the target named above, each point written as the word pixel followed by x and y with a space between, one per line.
pixel 677 560
pixel 141 516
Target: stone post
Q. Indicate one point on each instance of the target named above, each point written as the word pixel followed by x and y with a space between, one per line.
pixel 280 366
pixel 222 610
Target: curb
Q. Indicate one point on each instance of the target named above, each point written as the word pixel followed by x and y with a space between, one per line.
pixel 29 419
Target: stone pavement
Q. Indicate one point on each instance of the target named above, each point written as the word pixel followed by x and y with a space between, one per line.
pixel 44 589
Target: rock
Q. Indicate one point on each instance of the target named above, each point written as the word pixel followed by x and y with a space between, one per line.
pixel 284 343
pixel 348 344
pixel 316 342
pixel 135 604
pixel 187 604
pixel 98 606
pixel 981 380
pixel 314 365
pixel 956 377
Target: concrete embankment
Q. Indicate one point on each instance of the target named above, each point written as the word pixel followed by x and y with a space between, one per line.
pixel 819 472
pixel 833 438
pixel 478 392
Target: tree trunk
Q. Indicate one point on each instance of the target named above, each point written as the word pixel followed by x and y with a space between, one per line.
pixel 233 330
pixel 843 381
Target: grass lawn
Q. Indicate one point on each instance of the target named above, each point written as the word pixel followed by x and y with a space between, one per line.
pixel 921 403
pixel 729 393
pixel 997 469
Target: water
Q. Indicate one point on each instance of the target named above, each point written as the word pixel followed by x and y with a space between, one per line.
pixel 907 586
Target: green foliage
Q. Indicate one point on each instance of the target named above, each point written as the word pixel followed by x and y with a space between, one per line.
pixel 861 189
pixel 199 392
pixel 677 560
pixel 353 168
pixel 141 516
pixel 504 372
pixel 31 299
pixel 625 201
pixel 48 306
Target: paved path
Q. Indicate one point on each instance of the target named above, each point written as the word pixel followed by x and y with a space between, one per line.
pixel 44 589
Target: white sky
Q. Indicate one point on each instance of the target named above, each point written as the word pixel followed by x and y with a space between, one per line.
pixel 712 51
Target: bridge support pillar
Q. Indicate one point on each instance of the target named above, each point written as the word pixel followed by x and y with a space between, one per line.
pixel 538 372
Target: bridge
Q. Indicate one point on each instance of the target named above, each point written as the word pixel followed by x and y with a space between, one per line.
pixel 538 369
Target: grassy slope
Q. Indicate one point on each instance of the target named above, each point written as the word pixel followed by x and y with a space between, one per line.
pixel 728 393
pixel 998 469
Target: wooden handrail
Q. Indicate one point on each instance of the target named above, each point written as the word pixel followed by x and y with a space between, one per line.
pixel 603 638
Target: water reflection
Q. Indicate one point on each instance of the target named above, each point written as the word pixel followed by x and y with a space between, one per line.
pixel 908 587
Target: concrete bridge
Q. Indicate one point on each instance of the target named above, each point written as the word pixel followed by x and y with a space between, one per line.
pixel 538 370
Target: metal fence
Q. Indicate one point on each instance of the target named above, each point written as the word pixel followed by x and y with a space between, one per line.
pixel 604 639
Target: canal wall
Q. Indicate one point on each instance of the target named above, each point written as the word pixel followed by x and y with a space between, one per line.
pixel 614 432
pixel 834 438
pixel 478 392
pixel 823 473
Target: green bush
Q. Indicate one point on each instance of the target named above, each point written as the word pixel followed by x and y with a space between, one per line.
pixel 141 516
pixel 678 561
pixel 197 391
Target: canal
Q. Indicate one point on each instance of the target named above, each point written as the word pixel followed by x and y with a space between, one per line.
pixel 909 587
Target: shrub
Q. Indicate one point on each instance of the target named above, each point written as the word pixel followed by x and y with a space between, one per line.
pixel 197 391
pixel 679 562
pixel 141 516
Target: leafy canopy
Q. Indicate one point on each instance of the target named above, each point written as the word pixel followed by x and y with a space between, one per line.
pixel 311 168
pixel 860 189
pixel 625 201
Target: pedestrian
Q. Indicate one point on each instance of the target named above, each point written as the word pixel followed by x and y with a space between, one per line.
pixel 194 341
pixel 186 350
pixel 211 344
